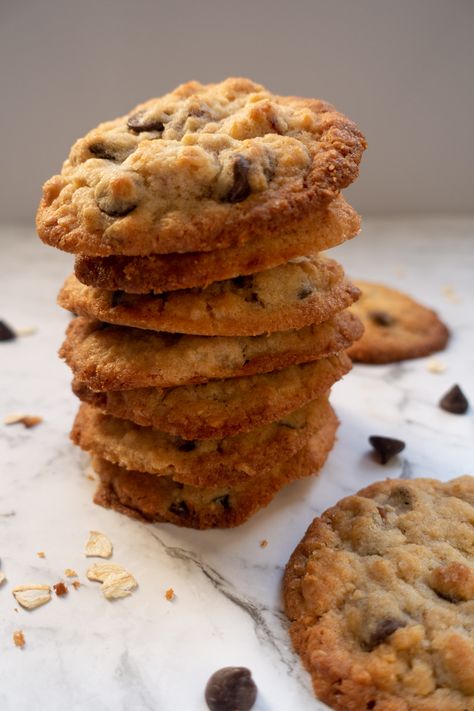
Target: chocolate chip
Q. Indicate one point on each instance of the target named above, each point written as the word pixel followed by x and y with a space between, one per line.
pixel 243 282
pixel 381 318
pixel 115 210
pixel 454 401
pixel 179 508
pixel 139 123
pixel 231 689
pixel 187 445
pixel 224 501
pixel 6 333
pixel 240 188
pixel 100 150
pixel 383 631
pixel 386 447
pixel 117 298
pixel 304 292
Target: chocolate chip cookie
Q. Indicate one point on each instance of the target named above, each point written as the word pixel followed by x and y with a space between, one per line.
pixel 380 593
pixel 204 167
pixel 156 273
pixel 160 498
pixel 293 295
pixel 396 326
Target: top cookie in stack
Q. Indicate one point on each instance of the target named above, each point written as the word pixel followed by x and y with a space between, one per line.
pixel 204 305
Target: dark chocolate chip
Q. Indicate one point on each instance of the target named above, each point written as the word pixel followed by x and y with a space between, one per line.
pixel 243 282
pixel 371 704
pixel 231 689
pixel 187 445
pixel 6 333
pixel 240 188
pixel 386 447
pixel 139 123
pixel 117 298
pixel 304 292
pixel 100 150
pixel 116 210
pixel 446 597
pixel 381 318
pixel 290 425
pixel 224 501
pixel 382 632
pixel 454 401
pixel 179 508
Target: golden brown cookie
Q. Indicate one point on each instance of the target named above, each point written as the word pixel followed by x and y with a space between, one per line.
pixel 319 231
pixel 293 295
pixel 380 593
pixel 204 167
pixel 119 358
pixel 221 408
pixel 208 462
pixel 159 498
pixel 396 326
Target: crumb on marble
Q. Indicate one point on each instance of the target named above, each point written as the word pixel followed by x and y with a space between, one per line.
pixel 25 420
pixel 263 543
pixel 450 294
pixel 434 365
pixel 60 589
pixel 170 594
pixel 26 331
pixel 70 573
pixel 19 638
pixel 3 577
pixel 76 584
pixel 41 554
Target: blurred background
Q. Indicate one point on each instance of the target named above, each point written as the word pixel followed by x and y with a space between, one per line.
pixel 402 70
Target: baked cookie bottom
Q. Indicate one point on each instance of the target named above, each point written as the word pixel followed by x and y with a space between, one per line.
pixel 396 326
pixel 160 499
pixel 157 273
pixel 380 594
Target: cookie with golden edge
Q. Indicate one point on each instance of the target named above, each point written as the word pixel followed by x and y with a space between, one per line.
pixel 156 273
pixel 294 295
pixel 206 462
pixel 108 357
pixel 221 408
pixel 203 167
pixel 396 327
pixel 159 498
pixel 380 594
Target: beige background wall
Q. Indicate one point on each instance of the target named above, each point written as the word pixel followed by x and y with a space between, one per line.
pixel 403 69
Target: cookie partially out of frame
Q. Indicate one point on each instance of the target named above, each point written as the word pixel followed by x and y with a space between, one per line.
pixel 294 295
pixel 221 408
pixel 159 498
pixel 204 167
pixel 396 326
pixel 119 358
pixel 156 273
pixel 380 593
pixel 208 462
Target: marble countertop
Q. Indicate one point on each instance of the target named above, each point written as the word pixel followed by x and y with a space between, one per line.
pixel 144 652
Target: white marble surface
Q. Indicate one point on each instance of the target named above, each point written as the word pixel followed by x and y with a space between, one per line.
pixel 83 652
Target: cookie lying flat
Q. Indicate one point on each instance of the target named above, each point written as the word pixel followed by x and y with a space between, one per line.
pixel 224 407
pixel 204 167
pixel 396 326
pixel 319 231
pixel 208 462
pixel 121 358
pixel 159 498
pixel 293 295
pixel 380 592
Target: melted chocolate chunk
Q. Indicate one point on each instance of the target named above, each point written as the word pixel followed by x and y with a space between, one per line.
pixel 454 401
pixel 116 210
pixel 386 447
pixel 117 298
pixel 224 501
pixel 187 445
pixel 6 333
pixel 100 150
pixel 240 188
pixel 139 123
pixel 231 689
pixel 381 318
pixel 304 292
pixel 179 508
pixel 382 632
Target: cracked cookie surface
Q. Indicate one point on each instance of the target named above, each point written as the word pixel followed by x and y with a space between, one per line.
pixel 204 167
pixel 380 592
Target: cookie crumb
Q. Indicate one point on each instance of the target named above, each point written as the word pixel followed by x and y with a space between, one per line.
pixel 70 573
pixel 169 594
pixel 26 420
pixel 26 331
pixel 450 294
pixel 60 589
pixel 98 545
pixel 434 365
pixel 19 638
pixel 32 596
pixel 263 543
pixel 41 554
pixel 76 584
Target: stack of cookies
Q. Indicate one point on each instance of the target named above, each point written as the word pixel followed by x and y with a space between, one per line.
pixel 209 328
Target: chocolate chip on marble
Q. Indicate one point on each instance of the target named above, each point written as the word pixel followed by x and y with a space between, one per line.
pixel 454 401
pixel 224 501
pixel 240 188
pixel 382 632
pixel 231 689
pixel 187 445
pixel 381 318
pixel 138 123
pixel 6 333
pixel 304 292
pixel 100 150
pixel 179 508
pixel 117 298
pixel 386 447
